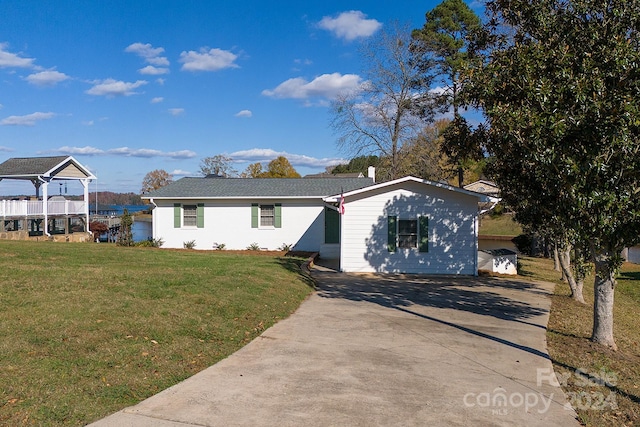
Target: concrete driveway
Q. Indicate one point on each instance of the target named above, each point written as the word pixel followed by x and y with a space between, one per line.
pixel 369 350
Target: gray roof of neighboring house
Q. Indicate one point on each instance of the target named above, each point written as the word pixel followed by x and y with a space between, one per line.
pixel 29 166
pixel 336 175
pixel 222 188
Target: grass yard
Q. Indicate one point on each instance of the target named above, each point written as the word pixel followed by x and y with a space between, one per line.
pixel 570 324
pixel 88 329
pixel 499 225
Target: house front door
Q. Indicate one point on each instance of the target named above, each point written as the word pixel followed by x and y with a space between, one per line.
pixel 331 226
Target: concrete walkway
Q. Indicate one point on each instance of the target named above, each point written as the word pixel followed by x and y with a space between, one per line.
pixel 368 350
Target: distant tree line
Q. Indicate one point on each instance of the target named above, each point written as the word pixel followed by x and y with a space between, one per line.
pixel 111 198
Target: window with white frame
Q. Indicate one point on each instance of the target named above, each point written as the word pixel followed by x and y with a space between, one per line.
pixel 189 215
pixel 267 215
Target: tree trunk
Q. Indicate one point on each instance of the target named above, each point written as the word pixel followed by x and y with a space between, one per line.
pixel 565 264
pixel 579 290
pixel 556 260
pixel 603 290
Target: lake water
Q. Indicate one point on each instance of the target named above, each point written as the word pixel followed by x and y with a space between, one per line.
pixel 141 230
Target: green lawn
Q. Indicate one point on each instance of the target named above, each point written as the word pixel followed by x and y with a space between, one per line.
pixel 499 225
pixel 568 341
pixel 88 329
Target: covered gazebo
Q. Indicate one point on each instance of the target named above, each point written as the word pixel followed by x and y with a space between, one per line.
pixel 41 209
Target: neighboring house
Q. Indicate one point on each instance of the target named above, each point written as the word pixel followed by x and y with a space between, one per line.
pixel 485 187
pixel 488 188
pixel 408 225
pixel 336 175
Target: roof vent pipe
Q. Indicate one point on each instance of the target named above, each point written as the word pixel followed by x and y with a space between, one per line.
pixel 371 173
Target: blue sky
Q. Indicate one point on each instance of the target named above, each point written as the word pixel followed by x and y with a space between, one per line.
pixel 127 87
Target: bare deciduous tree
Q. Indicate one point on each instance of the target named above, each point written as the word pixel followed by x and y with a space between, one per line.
pixel 391 107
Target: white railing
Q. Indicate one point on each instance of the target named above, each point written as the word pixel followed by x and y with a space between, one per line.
pixel 35 208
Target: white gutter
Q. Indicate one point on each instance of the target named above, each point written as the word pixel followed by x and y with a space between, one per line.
pixel 237 198
pixel 494 200
pixel 153 219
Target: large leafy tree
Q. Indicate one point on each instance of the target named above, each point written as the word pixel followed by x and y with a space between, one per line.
pixel 462 146
pixel 392 104
pixel 280 167
pixel 156 179
pixel 442 46
pixel 561 90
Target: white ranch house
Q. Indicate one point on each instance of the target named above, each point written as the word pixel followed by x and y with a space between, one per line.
pixel 408 225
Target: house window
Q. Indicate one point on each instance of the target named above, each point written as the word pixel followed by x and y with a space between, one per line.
pixel 267 216
pixel 189 215
pixel 407 233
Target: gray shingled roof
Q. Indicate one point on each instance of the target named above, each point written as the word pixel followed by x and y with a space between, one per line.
pixel 29 166
pixel 205 188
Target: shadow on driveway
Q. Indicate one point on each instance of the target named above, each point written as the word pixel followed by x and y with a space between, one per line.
pixel 498 298
pixel 378 350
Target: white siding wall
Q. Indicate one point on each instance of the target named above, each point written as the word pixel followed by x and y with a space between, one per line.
pixel 229 222
pixel 452 231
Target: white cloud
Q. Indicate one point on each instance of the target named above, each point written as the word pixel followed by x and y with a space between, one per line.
pixel 176 111
pixel 111 88
pixel 208 60
pixel 267 154
pixel 150 70
pixel 84 151
pixel 28 120
pixel 244 113
pixel 126 152
pixel 160 81
pixel 350 25
pixel 326 85
pixel 8 59
pixel 46 78
pixel 88 123
pixel 5 149
pixel 148 53
pixel 180 172
pixel 157 100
